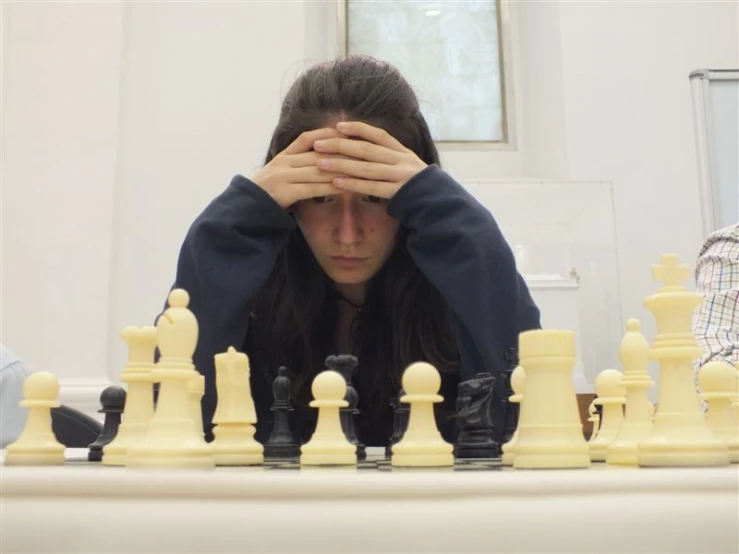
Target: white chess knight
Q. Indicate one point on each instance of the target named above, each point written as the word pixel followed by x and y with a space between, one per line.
pixel 422 444
pixel 37 444
pixel 172 438
pixel 235 415
pixel 681 436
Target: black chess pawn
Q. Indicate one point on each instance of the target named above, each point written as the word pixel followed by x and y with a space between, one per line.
pixel 345 365
pixel 401 414
pixel 281 442
pixel 475 418
pixel 112 400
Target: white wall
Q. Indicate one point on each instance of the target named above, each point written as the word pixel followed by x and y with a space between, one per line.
pixel 120 121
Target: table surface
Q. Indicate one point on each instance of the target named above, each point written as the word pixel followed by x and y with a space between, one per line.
pixel 88 507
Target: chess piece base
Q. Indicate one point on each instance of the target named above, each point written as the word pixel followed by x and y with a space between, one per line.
pixel 162 456
pixel 95 454
pixel 551 447
pixel 481 451
pixel 682 440
pixel 129 434
pixel 477 444
pixel 34 456
pixel 281 451
pixel 234 445
pixel 625 450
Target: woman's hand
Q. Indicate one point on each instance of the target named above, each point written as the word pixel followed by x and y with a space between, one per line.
pixel 373 163
pixel 292 175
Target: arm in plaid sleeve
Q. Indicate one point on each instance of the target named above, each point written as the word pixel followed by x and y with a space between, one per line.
pixel 716 321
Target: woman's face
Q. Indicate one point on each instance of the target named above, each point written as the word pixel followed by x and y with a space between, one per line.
pixel 351 235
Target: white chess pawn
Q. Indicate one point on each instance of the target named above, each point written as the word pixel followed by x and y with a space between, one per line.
pixel 550 431
pixel 422 444
pixel 139 408
pixel 172 438
pixel 639 411
pixel 718 383
pixel 681 436
pixel 518 384
pixel 594 418
pixel 612 396
pixel 234 443
pixel 328 444
pixel 37 444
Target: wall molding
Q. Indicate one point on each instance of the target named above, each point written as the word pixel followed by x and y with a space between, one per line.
pixel 83 395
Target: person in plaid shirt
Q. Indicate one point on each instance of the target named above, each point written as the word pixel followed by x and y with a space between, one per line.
pixel 716 321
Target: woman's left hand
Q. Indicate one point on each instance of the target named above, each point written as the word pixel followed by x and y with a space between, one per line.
pixel 379 164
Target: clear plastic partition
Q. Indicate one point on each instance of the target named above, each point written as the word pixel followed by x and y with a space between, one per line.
pixel 564 239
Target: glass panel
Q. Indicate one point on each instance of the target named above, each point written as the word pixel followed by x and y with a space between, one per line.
pixel 448 51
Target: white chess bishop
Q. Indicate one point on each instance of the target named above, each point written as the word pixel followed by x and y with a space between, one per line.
pixel 173 438
pixel 681 436
pixel 637 424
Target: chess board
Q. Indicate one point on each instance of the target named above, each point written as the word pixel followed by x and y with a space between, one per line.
pixel 375 461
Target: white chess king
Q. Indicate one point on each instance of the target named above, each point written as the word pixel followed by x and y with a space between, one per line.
pixel 681 436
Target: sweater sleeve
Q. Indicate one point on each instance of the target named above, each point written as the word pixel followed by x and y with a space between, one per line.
pixel 457 244
pixel 225 260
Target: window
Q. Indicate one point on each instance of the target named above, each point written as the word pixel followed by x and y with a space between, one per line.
pixel 450 52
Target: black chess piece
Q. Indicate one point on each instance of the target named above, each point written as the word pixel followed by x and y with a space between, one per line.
pixel 112 400
pixel 281 442
pixel 475 418
pixel 401 414
pixel 345 365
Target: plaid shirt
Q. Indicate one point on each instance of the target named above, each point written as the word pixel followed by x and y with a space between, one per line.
pixel 716 321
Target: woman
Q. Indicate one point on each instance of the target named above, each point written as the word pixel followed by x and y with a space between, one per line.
pixel 351 239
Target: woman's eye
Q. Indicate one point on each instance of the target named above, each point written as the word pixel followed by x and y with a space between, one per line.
pixel 373 199
pixel 320 199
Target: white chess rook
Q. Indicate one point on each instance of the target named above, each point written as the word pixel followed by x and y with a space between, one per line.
pixel 172 438
pixel 518 384
pixel 139 408
pixel 637 425
pixel 681 436
pixel 422 444
pixel 37 444
pixel 234 443
pixel 550 430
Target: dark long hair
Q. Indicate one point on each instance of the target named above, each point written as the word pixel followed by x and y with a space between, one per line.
pixel 404 318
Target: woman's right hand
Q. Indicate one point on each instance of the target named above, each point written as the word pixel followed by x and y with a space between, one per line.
pixel 292 175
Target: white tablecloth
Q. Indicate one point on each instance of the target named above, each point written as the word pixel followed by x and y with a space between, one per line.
pixel 84 507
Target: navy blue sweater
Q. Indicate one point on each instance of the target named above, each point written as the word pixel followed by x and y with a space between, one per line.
pixel 231 248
